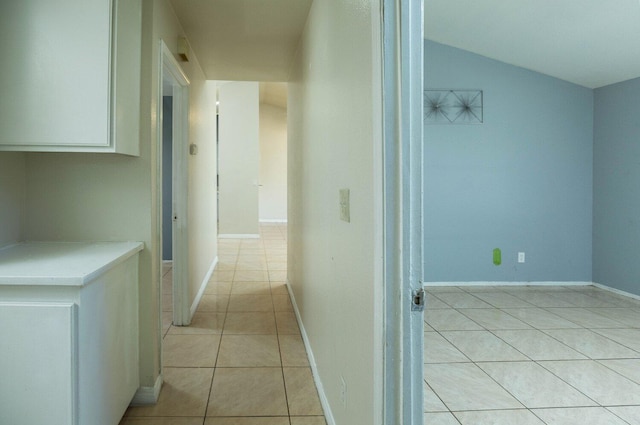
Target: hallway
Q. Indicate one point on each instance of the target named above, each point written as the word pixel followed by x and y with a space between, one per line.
pixel 242 360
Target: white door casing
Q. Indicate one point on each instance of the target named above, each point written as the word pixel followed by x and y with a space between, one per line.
pixel 171 71
pixel 403 161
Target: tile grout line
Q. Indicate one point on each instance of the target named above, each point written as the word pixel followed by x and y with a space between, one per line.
pixel 269 277
pixel 284 382
pixel 580 326
pixel 215 365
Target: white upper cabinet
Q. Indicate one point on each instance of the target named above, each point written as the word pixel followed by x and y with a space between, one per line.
pixel 70 75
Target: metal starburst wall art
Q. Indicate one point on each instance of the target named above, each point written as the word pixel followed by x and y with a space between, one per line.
pixel 453 106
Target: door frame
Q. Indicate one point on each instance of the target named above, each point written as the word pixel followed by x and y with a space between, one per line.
pixel 170 68
pixel 402 202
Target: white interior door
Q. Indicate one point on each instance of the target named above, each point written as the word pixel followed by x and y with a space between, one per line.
pixel 403 162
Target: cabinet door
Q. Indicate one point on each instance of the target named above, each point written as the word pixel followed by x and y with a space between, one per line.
pixel 59 69
pixel 39 364
pixel 55 72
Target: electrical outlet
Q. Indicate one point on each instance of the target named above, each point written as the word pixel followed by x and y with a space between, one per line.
pixel 343 392
pixel 345 208
pixel 521 257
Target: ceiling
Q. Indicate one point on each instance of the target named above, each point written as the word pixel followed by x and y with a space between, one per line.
pixel 274 94
pixel 588 42
pixel 592 43
pixel 244 40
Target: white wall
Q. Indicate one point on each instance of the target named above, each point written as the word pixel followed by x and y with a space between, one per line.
pixel 12 197
pixel 114 197
pixel 273 163
pixel 334 143
pixel 203 248
pixel 239 158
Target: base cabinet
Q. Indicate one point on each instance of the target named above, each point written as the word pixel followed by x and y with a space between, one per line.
pixel 69 353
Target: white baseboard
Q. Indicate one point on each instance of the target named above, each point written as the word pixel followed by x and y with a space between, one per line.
pixel 616 291
pixel 272 220
pixel 571 283
pixel 203 286
pixel 328 414
pixel 145 396
pixel 506 283
pixel 238 236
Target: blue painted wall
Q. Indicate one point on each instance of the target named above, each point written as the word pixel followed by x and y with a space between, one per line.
pixel 616 189
pixel 521 181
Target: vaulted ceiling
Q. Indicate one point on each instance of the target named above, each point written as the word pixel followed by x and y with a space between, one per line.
pixel 588 42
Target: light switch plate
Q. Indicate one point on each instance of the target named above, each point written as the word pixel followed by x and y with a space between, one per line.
pixel 345 208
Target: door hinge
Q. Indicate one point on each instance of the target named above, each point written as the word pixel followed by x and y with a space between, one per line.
pixel 418 300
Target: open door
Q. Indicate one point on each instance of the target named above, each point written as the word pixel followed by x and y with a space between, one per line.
pixel 404 296
pixel 174 84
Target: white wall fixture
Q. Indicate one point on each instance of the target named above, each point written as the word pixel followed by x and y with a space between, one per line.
pixel 345 205
pixel 184 50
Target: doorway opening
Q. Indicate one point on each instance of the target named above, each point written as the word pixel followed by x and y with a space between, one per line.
pixel 173 145
pixel 252 157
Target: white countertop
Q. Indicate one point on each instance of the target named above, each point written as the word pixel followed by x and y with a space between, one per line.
pixel 61 263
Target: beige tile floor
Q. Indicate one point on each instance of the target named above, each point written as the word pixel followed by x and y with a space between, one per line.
pixel 531 356
pixel 242 360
